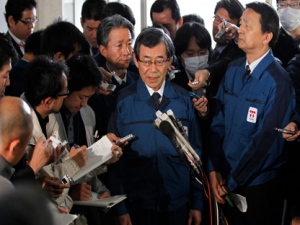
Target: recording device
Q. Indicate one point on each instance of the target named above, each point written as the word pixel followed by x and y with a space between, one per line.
pixel 284 131
pixel 109 87
pixel 221 32
pixel 56 142
pixel 66 179
pixel 172 74
pixel 124 139
pixel 186 148
pixel 194 95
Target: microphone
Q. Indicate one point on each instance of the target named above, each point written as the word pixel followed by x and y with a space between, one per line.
pixel 166 128
pixel 182 149
pixel 165 117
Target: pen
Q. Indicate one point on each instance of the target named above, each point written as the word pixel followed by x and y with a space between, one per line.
pixel 76 145
pixel 284 131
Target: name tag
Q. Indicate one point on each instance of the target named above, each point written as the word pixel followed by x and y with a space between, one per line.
pixel 252 115
pixel 186 130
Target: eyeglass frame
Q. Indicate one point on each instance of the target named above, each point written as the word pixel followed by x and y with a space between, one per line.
pixel 217 18
pixel 64 94
pixel 292 5
pixel 145 63
pixel 29 22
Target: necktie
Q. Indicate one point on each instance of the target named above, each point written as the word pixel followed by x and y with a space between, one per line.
pixel 123 84
pixel 156 97
pixel 248 71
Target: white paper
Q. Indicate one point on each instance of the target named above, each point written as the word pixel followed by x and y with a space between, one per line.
pixel 98 153
pixel 60 218
pixel 240 201
pixel 105 202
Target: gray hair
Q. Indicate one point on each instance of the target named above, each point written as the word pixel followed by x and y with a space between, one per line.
pixel 108 24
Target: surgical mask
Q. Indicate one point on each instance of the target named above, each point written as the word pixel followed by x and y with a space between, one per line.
pixel 289 18
pixel 192 64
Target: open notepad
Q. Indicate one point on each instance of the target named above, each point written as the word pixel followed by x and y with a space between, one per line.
pixel 104 203
pixel 60 218
pixel 98 153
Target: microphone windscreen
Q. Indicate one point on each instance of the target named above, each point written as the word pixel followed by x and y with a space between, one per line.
pixel 166 128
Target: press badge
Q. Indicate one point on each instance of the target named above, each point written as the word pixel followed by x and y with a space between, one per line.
pixel 252 115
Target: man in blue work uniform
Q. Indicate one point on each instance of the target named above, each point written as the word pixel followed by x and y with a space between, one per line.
pixel 246 152
pixel 159 188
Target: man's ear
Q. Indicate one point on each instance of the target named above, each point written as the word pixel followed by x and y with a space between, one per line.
pixel 135 60
pixel 171 61
pixel 102 50
pixel 11 21
pixel 81 22
pixel 13 151
pixel 268 37
pixel 180 22
pixel 47 102
pixel 58 56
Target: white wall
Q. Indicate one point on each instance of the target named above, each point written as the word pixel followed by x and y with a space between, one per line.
pixel 3 26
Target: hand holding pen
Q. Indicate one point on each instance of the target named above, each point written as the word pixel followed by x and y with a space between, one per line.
pixel 79 154
pixel 290 132
pixel 40 154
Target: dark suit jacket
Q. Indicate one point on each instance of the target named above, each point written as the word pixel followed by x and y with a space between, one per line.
pixel 285 48
pixel 16 46
pixel 104 104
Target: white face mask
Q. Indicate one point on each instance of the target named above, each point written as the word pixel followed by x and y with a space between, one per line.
pixel 192 64
pixel 289 18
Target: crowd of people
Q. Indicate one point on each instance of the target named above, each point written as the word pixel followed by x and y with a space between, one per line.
pixel 242 120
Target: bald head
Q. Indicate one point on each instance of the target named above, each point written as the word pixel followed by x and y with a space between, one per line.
pixel 15 124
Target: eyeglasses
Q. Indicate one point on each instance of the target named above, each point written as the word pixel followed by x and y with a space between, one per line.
pixel 64 94
pixel 156 63
pixel 217 18
pixel 294 5
pixel 29 21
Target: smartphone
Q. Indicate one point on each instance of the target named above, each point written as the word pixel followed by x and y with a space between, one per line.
pixel 194 95
pixel 221 32
pixel 109 87
pixel 124 139
pixel 285 131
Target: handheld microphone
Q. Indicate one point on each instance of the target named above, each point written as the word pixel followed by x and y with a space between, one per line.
pixel 165 117
pixel 167 129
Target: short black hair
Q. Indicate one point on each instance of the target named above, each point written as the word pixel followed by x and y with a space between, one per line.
pixel 92 10
pixel 15 8
pixel 33 43
pixel 269 19
pixel 83 72
pixel 64 37
pixel 234 8
pixel 7 51
pixel 160 5
pixel 110 23
pixel 122 9
pixel 188 30
pixel 193 18
pixel 43 79
pixel 151 37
